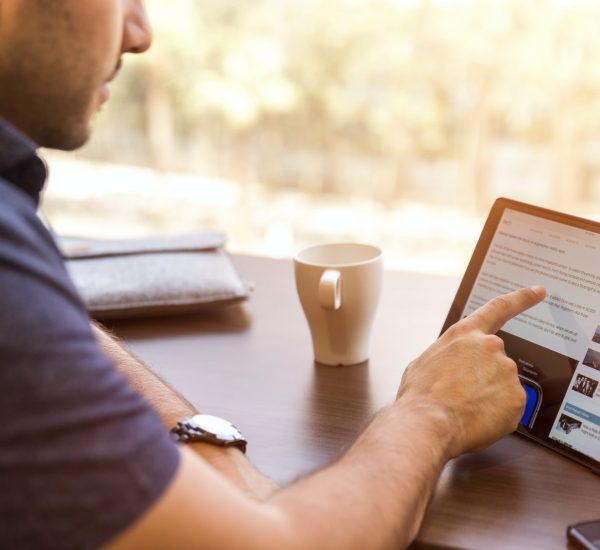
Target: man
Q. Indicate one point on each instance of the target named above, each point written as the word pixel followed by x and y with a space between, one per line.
pixel 85 460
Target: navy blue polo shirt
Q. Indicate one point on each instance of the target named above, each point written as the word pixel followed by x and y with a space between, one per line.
pixel 82 455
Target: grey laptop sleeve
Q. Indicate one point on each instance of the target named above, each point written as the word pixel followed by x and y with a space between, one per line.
pixel 152 276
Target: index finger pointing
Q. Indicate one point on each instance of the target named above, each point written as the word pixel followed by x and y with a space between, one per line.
pixel 491 317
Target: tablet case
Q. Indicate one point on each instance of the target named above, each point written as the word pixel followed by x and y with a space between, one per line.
pixel 152 276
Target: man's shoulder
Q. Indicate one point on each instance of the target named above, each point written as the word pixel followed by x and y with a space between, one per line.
pixel 80 442
pixel 36 286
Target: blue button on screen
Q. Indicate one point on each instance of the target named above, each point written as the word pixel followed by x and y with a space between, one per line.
pixel 532 397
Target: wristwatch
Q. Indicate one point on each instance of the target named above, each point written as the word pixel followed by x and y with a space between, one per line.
pixel 209 429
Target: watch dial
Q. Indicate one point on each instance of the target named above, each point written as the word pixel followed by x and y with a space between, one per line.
pixel 215 425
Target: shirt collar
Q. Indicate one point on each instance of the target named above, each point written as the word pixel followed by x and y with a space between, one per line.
pixel 19 162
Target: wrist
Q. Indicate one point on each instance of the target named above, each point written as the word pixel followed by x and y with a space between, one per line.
pixel 219 457
pixel 433 418
pixel 233 464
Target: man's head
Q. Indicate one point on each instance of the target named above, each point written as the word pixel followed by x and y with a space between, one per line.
pixel 56 58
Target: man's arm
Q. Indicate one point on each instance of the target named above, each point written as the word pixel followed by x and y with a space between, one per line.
pixel 375 495
pixel 172 407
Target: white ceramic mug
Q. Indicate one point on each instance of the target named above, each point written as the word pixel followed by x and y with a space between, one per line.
pixel 339 287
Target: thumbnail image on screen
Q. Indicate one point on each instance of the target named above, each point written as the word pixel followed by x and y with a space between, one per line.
pixel 592 359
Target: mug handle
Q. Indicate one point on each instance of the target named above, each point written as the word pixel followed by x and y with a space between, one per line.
pixel 330 290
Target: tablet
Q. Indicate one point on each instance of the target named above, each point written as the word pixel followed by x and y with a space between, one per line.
pixel 556 344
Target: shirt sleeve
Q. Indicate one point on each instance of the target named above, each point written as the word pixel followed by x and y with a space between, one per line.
pixel 82 455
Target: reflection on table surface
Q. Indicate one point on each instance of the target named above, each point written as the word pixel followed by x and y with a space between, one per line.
pixel 253 365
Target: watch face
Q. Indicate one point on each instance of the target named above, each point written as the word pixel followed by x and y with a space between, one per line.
pixel 215 425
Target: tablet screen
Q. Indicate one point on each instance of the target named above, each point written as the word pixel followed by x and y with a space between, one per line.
pixel 556 344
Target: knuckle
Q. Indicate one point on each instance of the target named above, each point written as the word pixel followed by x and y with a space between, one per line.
pixel 493 343
pixel 455 331
pixel 464 326
pixel 519 401
pixel 500 304
pixel 451 331
pixel 529 296
pixel 521 396
pixel 410 368
pixel 515 424
pixel 511 367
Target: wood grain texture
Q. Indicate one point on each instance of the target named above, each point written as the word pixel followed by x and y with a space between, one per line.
pixel 253 365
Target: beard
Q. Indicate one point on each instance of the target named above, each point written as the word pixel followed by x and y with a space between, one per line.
pixel 48 88
pixel 45 104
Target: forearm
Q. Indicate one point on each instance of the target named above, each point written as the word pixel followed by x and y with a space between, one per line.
pixel 375 496
pixel 172 407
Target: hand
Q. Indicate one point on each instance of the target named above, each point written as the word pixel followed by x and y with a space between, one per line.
pixel 467 376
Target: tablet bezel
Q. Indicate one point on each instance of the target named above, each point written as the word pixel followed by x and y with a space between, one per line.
pixel 464 290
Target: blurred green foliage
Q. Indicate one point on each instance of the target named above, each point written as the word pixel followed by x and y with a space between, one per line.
pixel 364 95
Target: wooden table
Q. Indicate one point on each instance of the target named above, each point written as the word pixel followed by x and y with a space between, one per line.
pixel 253 365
